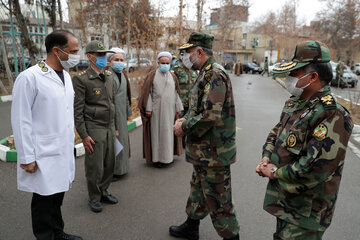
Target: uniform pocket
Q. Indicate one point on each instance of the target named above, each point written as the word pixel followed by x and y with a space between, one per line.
pixel 47 146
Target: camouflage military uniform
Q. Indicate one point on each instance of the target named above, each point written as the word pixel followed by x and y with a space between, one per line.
pixel 308 146
pixel 210 147
pixel 187 79
pixel 339 75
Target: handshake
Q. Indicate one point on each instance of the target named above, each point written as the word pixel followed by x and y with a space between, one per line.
pixel 178 131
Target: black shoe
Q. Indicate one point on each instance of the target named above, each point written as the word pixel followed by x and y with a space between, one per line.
pixel 158 165
pixel 66 236
pixel 189 230
pixel 237 237
pixel 95 207
pixel 109 199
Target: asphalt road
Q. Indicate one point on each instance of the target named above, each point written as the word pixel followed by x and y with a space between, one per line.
pixel 5 119
pixel 150 199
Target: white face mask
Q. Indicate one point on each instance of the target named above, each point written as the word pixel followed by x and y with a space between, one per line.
pixel 186 61
pixel 290 84
pixel 71 62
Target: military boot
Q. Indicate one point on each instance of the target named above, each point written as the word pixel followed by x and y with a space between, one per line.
pixel 189 229
pixel 233 238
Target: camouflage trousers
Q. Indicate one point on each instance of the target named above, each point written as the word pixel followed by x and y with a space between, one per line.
pixel 211 193
pixel 288 231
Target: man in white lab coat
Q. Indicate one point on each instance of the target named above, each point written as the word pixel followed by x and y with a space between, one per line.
pixel 43 125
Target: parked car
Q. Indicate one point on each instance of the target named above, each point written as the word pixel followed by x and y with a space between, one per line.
pixel 252 68
pixel 349 77
pixel 83 64
pixel 133 64
pixel 357 68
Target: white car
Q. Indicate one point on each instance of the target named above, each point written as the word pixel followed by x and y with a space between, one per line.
pixel 271 68
pixel 349 77
pixel 133 64
pixel 357 68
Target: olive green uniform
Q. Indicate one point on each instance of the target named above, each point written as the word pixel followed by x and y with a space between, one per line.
pixel 94 110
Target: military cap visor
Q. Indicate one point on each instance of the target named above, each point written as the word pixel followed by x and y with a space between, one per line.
pixel 198 39
pixel 305 53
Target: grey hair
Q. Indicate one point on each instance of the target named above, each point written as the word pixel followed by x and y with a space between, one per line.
pixel 324 70
pixel 207 51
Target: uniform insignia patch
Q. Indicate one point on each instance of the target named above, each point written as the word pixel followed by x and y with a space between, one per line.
pixel 291 140
pixel 44 69
pixel 100 45
pixel 97 92
pixel 208 67
pixel 320 132
pixel 328 99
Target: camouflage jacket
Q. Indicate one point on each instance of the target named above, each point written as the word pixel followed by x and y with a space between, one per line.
pixel 210 120
pixel 94 103
pixel 186 80
pixel 308 146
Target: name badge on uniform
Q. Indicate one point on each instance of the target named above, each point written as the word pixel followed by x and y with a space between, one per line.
pixel 97 91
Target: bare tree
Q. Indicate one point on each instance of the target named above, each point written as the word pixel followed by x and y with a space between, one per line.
pixel 282 29
pixel 339 26
pixel 60 14
pixel 14 8
pixel 199 8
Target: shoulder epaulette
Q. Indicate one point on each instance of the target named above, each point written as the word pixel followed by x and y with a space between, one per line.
pixel 107 72
pixel 216 65
pixel 81 73
pixel 328 101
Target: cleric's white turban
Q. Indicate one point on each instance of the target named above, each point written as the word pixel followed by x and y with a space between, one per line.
pixel 164 54
pixel 113 51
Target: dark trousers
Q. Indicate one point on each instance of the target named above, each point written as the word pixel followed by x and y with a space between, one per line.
pixel 46 216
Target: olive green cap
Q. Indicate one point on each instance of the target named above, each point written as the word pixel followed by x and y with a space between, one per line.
pixel 96 46
pixel 199 39
pixel 305 53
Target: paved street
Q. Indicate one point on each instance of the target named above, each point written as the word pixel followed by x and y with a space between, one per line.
pixel 5 118
pixel 150 200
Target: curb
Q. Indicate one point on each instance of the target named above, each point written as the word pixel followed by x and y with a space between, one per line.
pixel 10 155
pixel 6 98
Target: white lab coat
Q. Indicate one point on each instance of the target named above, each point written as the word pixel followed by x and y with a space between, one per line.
pixel 42 118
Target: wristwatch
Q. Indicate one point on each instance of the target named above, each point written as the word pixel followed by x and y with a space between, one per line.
pixel 272 172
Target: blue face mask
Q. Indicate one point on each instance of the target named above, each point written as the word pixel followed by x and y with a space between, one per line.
pixel 118 66
pixel 173 62
pixel 101 62
pixel 164 67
